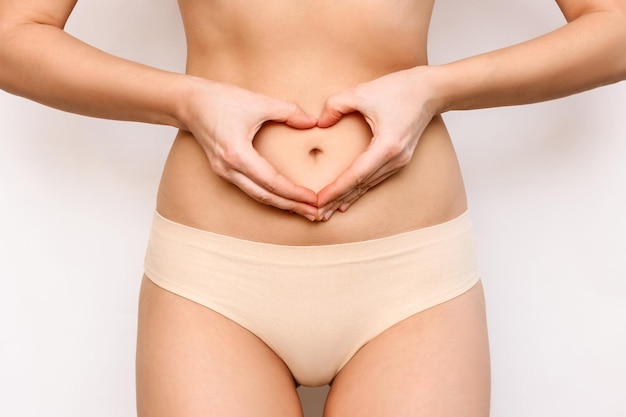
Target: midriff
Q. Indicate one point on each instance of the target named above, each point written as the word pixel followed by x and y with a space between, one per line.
pixel 428 191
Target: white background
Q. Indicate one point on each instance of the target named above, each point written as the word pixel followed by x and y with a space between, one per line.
pixel 547 192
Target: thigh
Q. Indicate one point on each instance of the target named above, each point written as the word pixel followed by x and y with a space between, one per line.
pixel 192 361
pixel 433 364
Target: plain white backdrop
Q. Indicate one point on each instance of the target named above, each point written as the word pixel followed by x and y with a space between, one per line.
pixel 547 191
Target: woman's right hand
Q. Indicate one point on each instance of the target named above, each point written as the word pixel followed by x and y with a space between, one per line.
pixel 224 120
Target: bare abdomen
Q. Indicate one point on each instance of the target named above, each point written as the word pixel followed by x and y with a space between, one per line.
pixel 313 158
pixel 427 191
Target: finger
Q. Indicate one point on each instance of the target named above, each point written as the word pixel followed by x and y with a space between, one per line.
pixel 336 107
pixel 350 200
pixel 266 197
pixel 245 159
pixel 342 203
pixel 262 173
pixel 291 114
pixel 324 214
pixel 364 166
pixel 373 166
pixel 345 202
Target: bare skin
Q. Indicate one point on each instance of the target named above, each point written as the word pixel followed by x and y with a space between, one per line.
pixel 194 362
pixel 301 67
pixel 291 112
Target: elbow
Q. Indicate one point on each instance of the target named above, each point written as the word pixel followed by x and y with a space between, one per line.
pixel 5 29
pixel 8 23
pixel 611 60
pixel 609 32
pixel 4 60
pixel 5 54
pixel 622 55
pixel 619 47
pixel 12 50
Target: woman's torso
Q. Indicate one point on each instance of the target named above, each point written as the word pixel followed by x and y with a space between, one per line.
pixel 304 51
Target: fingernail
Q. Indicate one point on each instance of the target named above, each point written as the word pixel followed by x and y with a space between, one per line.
pixel 344 207
pixel 328 214
pixel 310 217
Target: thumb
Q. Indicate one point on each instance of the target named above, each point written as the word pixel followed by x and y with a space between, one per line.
pixel 292 115
pixel 335 108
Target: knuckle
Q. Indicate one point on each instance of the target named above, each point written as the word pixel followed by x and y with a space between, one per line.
pixel 332 102
pixel 359 89
pixel 231 157
pixel 403 158
pixel 218 168
pixel 356 178
pixel 270 187
pixel 220 171
pixel 291 108
pixel 393 150
pixel 264 198
pixel 268 182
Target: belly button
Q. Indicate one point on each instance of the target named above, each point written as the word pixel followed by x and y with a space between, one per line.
pixel 315 152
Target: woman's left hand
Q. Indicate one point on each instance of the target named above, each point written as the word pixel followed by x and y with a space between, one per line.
pixel 397 107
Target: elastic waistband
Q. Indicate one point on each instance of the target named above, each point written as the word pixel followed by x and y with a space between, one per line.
pixel 242 249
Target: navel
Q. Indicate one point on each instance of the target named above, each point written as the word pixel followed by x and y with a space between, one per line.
pixel 315 152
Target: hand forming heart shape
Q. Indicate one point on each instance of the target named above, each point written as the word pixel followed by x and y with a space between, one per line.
pixel 225 119
pixel 397 109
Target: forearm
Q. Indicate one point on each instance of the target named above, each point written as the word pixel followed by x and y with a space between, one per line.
pixel 588 52
pixel 63 72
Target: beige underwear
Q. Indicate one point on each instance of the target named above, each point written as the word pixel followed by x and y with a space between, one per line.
pixel 315 306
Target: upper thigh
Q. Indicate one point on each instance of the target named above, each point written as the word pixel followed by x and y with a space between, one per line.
pixel 433 364
pixel 192 361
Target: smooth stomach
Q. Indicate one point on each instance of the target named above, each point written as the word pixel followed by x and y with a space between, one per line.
pixel 304 52
pixel 428 191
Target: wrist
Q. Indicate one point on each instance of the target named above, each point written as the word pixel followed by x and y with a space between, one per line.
pixel 187 92
pixel 441 88
pixel 461 85
pixel 431 87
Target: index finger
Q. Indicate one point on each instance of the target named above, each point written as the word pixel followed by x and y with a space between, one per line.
pixel 275 185
pixel 289 113
pixel 336 107
pixel 364 168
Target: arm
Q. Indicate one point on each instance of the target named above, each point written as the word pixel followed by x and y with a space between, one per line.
pixel 588 52
pixel 40 61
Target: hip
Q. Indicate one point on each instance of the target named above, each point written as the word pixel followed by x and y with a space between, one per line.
pixel 428 191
